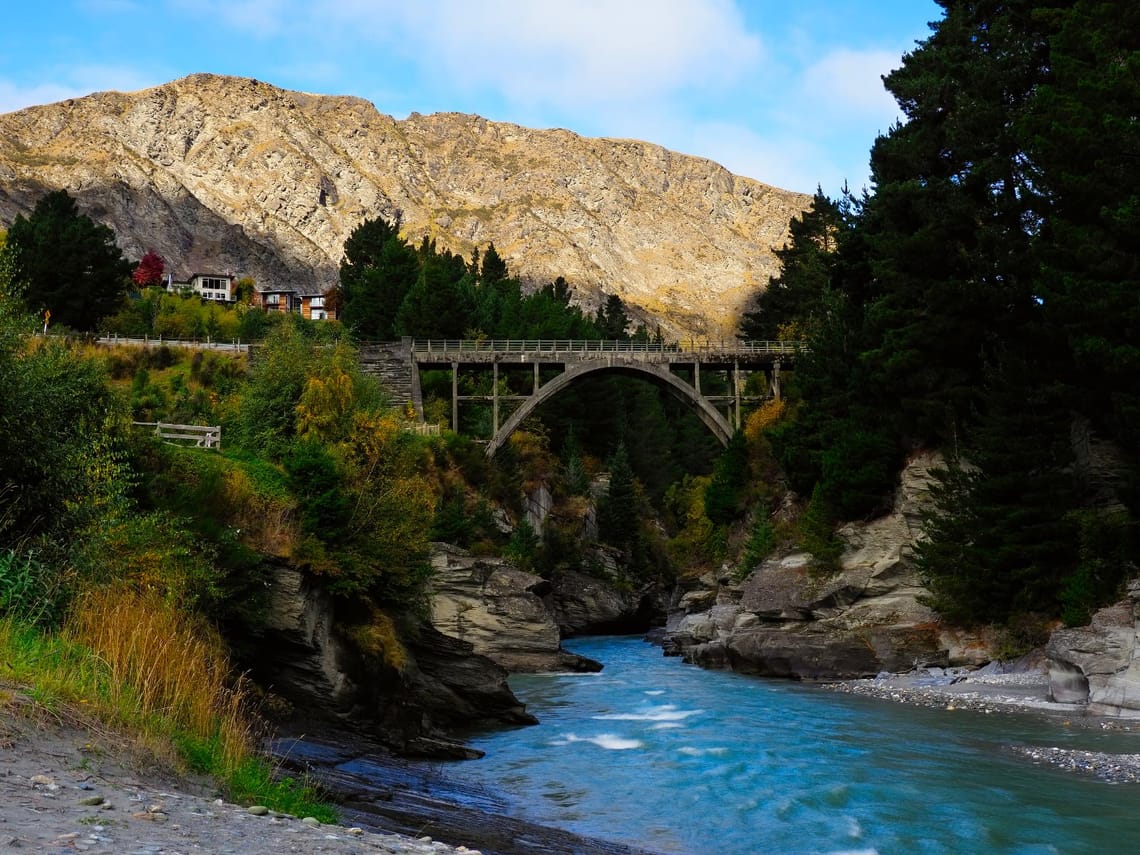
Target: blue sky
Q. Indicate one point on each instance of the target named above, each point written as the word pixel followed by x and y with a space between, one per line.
pixel 784 91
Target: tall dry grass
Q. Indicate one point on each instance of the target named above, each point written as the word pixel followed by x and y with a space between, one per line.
pixel 164 665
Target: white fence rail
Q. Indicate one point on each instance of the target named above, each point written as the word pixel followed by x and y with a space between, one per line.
pixel 202 436
pixel 150 341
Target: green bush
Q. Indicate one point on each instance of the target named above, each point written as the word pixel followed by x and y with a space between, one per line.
pixel 31 591
pixel 761 543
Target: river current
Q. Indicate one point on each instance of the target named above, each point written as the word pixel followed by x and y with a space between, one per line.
pixel 676 759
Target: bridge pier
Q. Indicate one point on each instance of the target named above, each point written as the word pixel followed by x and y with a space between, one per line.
pixel 736 389
pixel 495 397
pixel 455 396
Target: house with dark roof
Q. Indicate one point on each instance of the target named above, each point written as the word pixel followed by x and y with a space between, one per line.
pixel 310 302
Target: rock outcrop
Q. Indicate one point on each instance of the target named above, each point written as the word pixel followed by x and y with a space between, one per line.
pixel 498 610
pixel 223 173
pixel 790 619
pixel 1099 664
pixel 444 686
pixel 586 605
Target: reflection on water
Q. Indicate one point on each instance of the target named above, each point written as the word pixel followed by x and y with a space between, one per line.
pixel 677 759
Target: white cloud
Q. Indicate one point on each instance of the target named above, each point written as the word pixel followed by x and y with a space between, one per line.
pixel 775 157
pixel 80 80
pixel 260 18
pixel 549 51
pixel 849 82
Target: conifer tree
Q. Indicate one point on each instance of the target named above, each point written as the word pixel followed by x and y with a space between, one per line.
pixel 794 298
pixel 378 270
pixel 618 512
pixel 66 263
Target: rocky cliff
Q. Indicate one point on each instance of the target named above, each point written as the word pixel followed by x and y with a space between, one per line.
pixel 1099 664
pixel 498 609
pixel 304 654
pixel 790 618
pixel 228 174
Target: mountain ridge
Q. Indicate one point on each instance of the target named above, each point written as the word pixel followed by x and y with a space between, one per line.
pixel 223 173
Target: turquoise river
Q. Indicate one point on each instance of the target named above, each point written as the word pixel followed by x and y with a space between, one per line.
pixel 677 759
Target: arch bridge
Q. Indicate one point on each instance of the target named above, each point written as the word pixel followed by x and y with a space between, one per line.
pixel 556 364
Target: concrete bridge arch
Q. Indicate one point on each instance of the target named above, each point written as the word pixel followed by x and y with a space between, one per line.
pixel 713 419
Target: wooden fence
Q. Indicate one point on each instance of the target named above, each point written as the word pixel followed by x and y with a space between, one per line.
pixel 203 436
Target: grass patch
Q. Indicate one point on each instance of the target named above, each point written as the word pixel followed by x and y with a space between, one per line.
pixel 136 666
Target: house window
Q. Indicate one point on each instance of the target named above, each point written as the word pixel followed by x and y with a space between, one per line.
pixel 272 299
pixel 317 302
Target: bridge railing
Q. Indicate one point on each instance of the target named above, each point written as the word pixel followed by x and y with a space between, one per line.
pixel 448 346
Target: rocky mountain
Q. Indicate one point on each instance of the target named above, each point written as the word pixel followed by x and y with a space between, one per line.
pixel 229 174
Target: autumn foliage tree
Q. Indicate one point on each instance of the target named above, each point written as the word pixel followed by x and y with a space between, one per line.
pixel 149 270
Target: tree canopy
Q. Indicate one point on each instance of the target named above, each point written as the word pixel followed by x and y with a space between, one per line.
pixel 983 299
pixel 66 263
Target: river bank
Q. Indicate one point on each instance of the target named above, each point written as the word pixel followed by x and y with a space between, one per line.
pixel 1021 687
pixel 67 786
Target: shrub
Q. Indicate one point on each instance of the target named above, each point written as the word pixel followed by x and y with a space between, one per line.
pixel 31 590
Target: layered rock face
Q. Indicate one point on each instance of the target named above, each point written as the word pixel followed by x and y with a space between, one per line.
pixel 498 609
pixel 221 173
pixel 444 686
pixel 1099 664
pixel 788 619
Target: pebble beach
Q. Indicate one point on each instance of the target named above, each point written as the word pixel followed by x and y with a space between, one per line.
pixel 991 691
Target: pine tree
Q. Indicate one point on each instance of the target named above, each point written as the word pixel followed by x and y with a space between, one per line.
pixel 612 319
pixel 948 230
pixel 493 269
pixel 619 510
pixel 67 264
pixel 441 303
pixel 794 298
pixel 378 270
pixel 1084 142
pixel 1001 538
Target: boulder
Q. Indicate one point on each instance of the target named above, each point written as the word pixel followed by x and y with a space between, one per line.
pixel 499 610
pixel 1098 664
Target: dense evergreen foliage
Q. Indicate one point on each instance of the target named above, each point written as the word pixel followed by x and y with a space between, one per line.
pixel 67 264
pixel 979 300
pixel 390 289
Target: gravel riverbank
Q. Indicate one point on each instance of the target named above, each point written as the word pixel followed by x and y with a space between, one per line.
pixel 65 789
pixel 994 689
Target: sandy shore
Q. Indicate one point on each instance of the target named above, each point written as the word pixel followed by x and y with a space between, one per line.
pixel 994 689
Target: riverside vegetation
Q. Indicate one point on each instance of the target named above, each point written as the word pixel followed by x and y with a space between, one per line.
pixel 126 562
pixel 982 300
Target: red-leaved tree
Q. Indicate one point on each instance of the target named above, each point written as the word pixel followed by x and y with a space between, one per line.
pixel 149 270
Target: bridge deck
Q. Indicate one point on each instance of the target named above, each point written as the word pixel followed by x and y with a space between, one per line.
pixel 581 350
